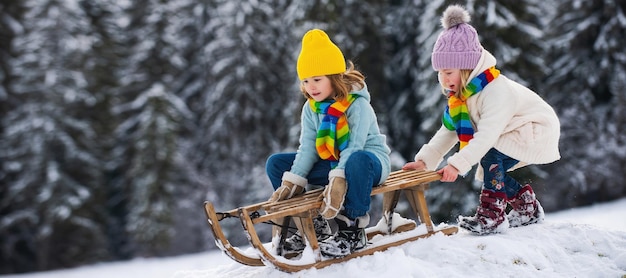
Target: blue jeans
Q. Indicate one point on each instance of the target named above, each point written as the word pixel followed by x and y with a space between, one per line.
pixel 362 170
pixel 495 165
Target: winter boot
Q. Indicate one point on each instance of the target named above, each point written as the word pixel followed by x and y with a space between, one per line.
pixel 490 216
pixel 526 208
pixel 295 244
pixel 350 237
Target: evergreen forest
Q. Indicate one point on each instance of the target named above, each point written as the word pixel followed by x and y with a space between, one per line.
pixel 119 118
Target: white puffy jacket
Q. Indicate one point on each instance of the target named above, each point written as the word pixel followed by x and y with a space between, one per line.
pixel 506 116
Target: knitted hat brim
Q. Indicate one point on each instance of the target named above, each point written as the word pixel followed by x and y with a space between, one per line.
pixel 455 60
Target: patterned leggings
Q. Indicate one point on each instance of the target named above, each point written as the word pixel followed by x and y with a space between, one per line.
pixel 495 165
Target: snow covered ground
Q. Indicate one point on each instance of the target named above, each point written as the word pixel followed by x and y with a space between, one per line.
pixel 582 242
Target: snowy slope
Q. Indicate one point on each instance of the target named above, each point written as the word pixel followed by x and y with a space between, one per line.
pixel 584 242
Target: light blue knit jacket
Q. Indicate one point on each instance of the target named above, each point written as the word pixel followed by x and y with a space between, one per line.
pixel 364 135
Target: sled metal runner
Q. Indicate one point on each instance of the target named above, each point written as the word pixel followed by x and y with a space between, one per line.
pixel 302 209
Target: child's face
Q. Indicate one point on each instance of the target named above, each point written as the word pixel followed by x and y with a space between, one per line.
pixel 318 87
pixel 450 79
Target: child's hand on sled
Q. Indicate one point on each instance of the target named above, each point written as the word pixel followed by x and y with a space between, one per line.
pixel 448 173
pixel 286 190
pixel 415 165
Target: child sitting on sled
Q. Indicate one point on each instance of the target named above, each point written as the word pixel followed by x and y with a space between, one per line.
pixel 499 123
pixel 341 147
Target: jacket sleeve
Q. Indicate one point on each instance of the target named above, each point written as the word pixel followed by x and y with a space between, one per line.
pixel 432 152
pixel 496 109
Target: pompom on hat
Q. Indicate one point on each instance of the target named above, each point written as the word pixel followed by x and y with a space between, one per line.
pixel 319 56
pixel 457 46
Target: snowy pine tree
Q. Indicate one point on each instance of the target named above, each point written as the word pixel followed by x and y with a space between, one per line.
pixel 48 215
pixel 587 63
pixel 11 18
pixel 104 75
pixel 413 83
pixel 252 100
pixel 153 173
pixel 119 118
pixel 148 141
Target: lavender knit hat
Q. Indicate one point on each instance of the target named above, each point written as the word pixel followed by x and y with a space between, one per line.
pixel 457 46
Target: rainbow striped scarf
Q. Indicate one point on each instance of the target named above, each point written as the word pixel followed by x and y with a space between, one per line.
pixel 333 133
pixel 456 116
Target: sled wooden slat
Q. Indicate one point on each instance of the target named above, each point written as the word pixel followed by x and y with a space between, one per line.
pixel 397 180
pixel 302 209
pixel 310 197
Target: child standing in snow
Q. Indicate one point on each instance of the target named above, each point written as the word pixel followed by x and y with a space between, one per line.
pixel 341 147
pixel 499 123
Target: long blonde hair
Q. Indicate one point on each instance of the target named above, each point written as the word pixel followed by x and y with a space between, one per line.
pixel 465 73
pixel 342 83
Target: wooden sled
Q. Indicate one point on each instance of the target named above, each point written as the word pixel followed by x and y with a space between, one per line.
pixel 306 207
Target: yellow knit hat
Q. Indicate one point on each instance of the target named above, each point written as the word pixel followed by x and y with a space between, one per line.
pixel 319 56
